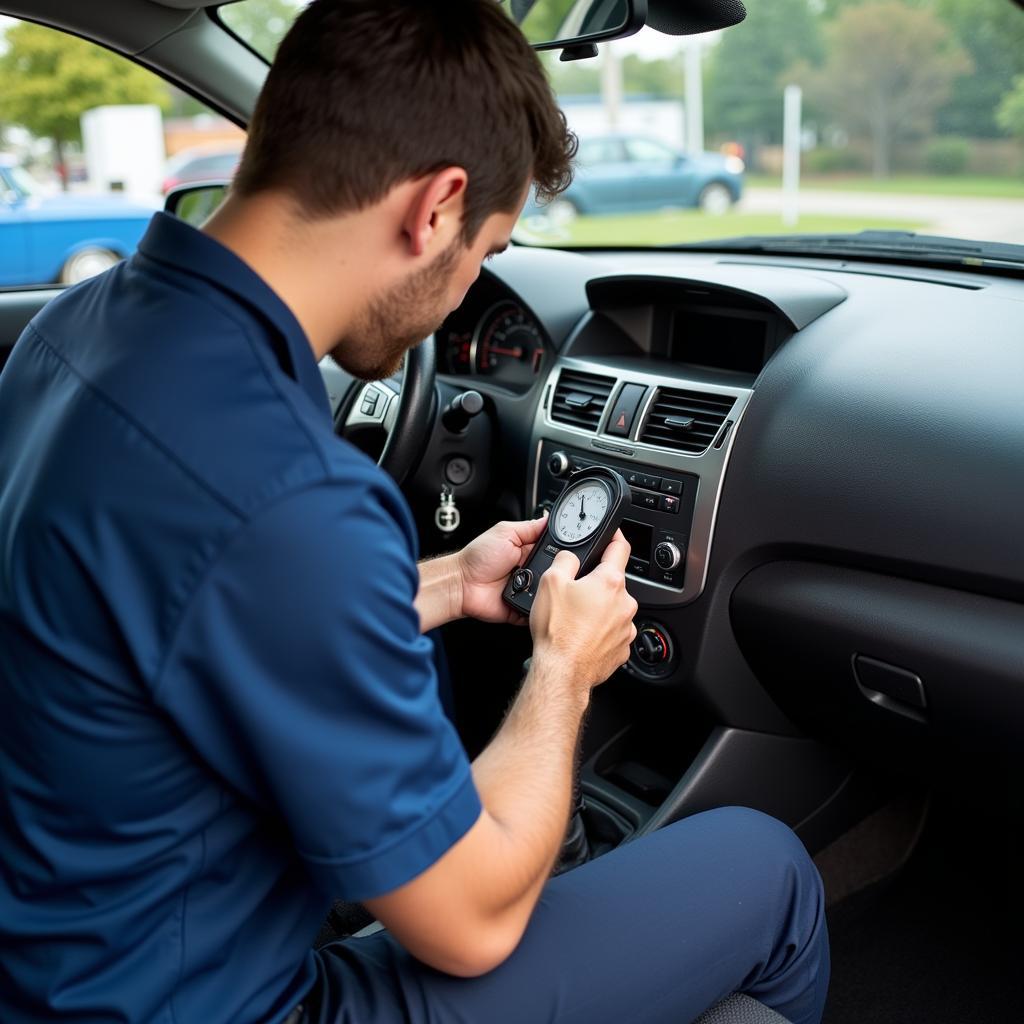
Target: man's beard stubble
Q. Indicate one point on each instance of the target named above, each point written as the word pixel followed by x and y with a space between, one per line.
pixel 391 324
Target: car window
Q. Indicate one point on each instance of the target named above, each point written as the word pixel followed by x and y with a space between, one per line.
pixel 648 152
pixel 86 137
pixel 21 181
pixel 594 152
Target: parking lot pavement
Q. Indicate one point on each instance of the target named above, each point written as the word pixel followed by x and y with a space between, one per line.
pixel 995 220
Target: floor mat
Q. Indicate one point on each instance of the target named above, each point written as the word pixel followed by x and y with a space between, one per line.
pixel 941 941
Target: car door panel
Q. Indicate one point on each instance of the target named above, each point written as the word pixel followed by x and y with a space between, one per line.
pixel 658 173
pixel 13 241
pixel 605 176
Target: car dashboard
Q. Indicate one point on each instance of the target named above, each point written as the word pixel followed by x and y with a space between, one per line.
pixel 825 464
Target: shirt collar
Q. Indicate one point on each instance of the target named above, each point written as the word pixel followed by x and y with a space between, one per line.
pixel 171 241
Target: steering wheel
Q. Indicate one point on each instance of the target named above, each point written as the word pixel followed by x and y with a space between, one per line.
pixel 402 407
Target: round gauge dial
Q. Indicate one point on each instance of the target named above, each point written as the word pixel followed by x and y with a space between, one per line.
pixel 579 511
pixel 509 345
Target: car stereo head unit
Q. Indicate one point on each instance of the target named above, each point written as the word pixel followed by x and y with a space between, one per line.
pixel 657 522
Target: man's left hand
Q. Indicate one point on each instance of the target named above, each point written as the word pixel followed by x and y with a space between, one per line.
pixel 485 564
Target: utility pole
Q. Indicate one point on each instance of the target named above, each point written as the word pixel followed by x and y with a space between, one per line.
pixel 611 86
pixel 791 132
pixel 694 106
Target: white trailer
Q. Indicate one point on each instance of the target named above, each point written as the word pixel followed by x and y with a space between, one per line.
pixel 124 149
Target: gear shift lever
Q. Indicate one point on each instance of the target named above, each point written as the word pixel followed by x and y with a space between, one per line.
pixel 575 846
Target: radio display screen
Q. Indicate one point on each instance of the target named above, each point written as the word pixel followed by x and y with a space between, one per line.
pixel 640 537
pixel 722 342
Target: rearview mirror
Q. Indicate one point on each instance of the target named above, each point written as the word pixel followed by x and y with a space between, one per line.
pixel 195 203
pixel 549 24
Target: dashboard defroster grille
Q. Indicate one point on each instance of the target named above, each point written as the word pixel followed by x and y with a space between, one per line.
pixel 580 398
pixel 685 421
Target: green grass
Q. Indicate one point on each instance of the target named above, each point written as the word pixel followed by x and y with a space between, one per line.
pixel 972 186
pixel 666 227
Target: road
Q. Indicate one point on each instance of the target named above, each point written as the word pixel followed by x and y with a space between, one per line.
pixel 998 220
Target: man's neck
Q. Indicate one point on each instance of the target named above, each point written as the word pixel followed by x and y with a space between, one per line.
pixel 299 259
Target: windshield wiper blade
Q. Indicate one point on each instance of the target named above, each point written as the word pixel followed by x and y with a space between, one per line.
pixel 881 243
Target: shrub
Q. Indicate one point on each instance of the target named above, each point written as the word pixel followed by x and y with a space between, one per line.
pixel 947 155
pixel 826 160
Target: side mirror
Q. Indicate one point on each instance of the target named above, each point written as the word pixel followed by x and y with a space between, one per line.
pixel 553 24
pixel 195 203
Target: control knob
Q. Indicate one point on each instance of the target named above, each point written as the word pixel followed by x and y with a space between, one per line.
pixel 558 464
pixel 667 555
pixel 521 580
pixel 651 646
pixel 461 409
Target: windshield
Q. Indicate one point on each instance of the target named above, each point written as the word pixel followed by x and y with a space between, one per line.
pixel 820 117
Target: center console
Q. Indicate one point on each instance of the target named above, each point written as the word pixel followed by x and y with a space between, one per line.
pixel 668 435
pixel 654 382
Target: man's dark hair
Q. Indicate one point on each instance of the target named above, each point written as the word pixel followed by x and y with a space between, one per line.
pixel 365 94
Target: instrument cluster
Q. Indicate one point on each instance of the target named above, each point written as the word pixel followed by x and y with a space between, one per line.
pixel 493 335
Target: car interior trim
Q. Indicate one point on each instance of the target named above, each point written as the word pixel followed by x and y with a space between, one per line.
pixel 709 466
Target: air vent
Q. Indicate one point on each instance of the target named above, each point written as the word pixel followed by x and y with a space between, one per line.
pixel 685 421
pixel 580 398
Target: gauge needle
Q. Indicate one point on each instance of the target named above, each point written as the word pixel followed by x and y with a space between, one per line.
pixel 515 353
pixel 583 515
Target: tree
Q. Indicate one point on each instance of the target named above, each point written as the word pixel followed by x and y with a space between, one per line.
pixel 889 68
pixel 48 79
pixel 541 20
pixel 261 23
pixel 661 78
pixel 1010 113
pixel 743 97
pixel 992 33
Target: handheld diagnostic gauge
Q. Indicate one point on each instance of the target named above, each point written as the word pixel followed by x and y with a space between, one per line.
pixel 584 520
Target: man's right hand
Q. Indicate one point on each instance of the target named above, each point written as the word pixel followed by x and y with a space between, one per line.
pixel 585 625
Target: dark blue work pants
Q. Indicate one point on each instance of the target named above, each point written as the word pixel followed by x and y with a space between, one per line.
pixel 652 933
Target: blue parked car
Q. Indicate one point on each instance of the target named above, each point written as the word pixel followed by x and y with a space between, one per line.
pixel 630 173
pixel 63 238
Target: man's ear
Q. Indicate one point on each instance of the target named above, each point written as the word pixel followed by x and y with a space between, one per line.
pixel 435 210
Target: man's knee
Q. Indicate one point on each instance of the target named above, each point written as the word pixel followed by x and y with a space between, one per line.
pixel 778 858
pixel 773 838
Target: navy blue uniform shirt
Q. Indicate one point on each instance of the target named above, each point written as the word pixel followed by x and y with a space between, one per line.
pixel 218 710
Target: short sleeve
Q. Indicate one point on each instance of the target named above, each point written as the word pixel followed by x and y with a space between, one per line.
pixel 299 674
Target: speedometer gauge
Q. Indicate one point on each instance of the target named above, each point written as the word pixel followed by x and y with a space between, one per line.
pixel 508 345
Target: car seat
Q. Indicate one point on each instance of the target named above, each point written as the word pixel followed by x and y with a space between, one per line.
pixel 740 1009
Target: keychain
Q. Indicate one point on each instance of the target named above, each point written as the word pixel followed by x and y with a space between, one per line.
pixel 447 517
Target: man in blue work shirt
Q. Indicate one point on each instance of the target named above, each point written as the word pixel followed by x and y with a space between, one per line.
pixel 219 708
